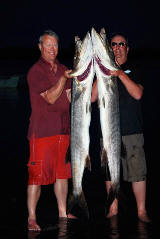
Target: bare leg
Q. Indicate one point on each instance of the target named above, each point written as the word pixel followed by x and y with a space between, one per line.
pixel 61 190
pixel 32 200
pixel 139 190
pixel 113 210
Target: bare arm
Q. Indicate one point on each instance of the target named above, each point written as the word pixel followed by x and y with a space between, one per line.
pixel 52 94
pixel 135 90
pixel 68 92
pixel 94 96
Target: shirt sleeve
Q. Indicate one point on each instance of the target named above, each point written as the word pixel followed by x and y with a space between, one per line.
pixel 135 73
pixel 138 77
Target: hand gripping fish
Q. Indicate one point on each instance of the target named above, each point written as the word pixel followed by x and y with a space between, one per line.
pixel 108 100
pixel 83 74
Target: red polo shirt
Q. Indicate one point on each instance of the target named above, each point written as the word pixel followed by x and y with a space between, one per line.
pixel 47 119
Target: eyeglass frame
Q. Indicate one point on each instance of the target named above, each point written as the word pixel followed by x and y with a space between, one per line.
pixel 120 44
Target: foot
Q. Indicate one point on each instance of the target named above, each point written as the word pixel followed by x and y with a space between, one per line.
pixel 112 214
pixel 113 209
pixel 68 216
pixel 71 216
pixel 33 226
pixel 143 217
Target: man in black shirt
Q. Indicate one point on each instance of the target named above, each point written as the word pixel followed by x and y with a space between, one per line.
pixel 130 94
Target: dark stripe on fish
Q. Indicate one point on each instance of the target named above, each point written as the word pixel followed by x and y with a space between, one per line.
pixel 85 73
pixel 102 67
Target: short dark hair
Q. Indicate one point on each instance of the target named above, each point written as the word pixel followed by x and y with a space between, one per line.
pixel 119 34
pixel 50 33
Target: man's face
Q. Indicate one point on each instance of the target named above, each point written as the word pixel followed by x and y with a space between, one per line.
pixel 120 49
pixel 49 48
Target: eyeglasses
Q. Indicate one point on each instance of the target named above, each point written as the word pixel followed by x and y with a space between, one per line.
pixel 120 44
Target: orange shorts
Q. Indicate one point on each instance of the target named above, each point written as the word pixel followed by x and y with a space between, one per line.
pixel 47 160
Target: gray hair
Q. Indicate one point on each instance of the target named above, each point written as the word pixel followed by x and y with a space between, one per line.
pixel 50 33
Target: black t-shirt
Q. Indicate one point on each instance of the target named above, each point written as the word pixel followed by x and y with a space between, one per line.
pixel 130 109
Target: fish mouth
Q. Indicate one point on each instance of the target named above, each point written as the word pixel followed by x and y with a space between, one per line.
pixel 102 52
pixel 104 69
pixel 83 57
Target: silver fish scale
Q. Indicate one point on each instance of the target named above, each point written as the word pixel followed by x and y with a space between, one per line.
pixel 95 51
pixel 80 121
pixel 110 126
pixel 109 106
pixel 80 110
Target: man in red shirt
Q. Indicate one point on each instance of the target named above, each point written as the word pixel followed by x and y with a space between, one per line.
pixel 49 128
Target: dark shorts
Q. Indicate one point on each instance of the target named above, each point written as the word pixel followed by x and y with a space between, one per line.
pixel 133 161
pixel 47 160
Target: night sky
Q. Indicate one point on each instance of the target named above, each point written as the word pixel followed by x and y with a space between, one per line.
pixel 23 21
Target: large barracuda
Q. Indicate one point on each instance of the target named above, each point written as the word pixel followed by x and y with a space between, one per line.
pixel 108 100
pixel 82 74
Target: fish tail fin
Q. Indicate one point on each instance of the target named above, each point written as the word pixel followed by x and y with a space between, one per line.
pixel 123 150
pixel 68 155
pixel 88 163
pixel 77 206
pixel 104 161
pixel 71 203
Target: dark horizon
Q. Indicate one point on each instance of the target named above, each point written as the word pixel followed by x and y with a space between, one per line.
pixel 18 60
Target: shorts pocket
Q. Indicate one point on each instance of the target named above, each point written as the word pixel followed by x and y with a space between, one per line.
pixel 35 169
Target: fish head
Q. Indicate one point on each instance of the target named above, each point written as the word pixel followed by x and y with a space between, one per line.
pixel 78 44
pixel 83 55
pixel 103 34
pixel 102 50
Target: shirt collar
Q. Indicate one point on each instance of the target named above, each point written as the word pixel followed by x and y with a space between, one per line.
pixel 46 62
